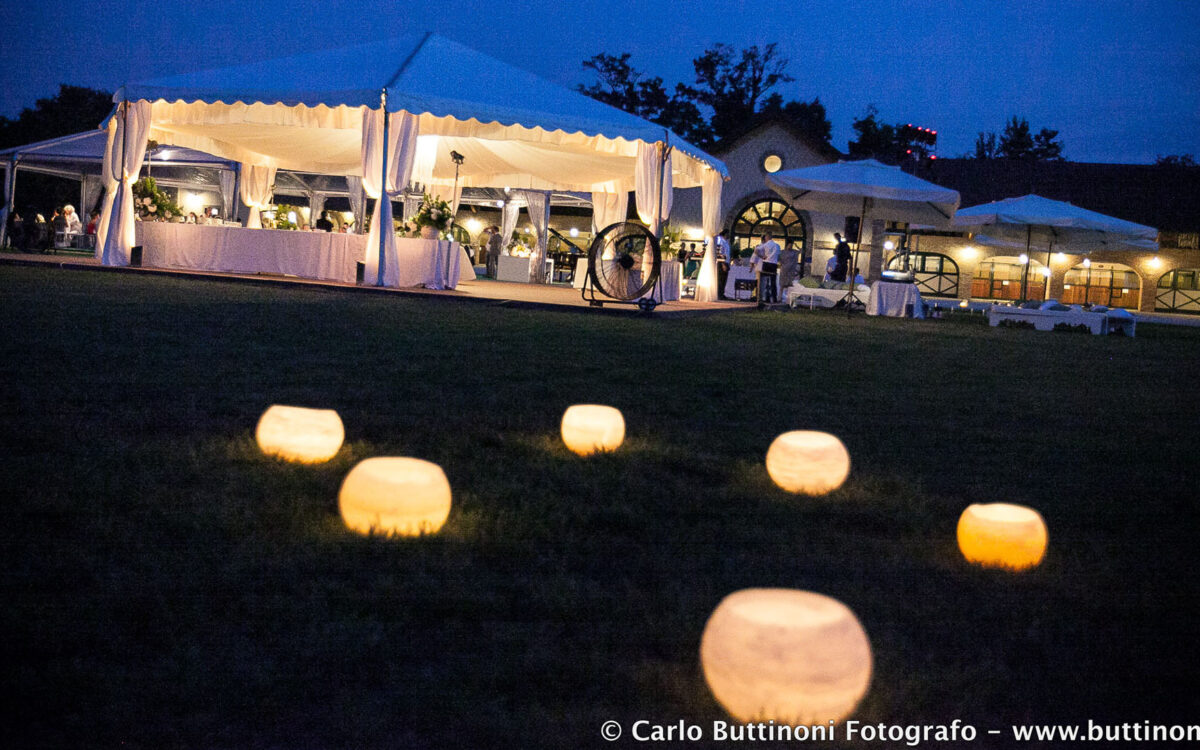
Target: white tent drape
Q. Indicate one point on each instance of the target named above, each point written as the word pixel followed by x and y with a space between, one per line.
pixel 538 203
pixel 358 202
pixel 316 206
pixel 411 204
pixel 608 209
pixel 648 178
pixel 706 280
pixel 90 188
pixel 255 190
pixel 5 208
pixel 381 262
pixel 508 223
pixel 228 179
pixel 122 160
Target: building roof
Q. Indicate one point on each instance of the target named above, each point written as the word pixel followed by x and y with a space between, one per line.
pixel 1164 197
pixel 816 144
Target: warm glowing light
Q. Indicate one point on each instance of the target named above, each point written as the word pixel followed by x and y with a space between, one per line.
pixel 295 433
pixel 395 495
pixel 1155 262
pixel 1000 535
pixel 772 163
pixel 1060 257
pixel 808 461
pixel 574 232
pixel 1045 271
pixel 1023 259
pixel 1087 262
pixel 889 245
pixel 1125 291
pixel 292 216
pixel 499 204
pixel 963 304
pixel 1066 286
pixel 592 428
pixel 192 202
pixel 794 657
pixel 474 225
pixel 1004 283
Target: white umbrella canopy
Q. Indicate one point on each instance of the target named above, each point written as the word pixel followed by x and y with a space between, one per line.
pixel 866 188
pixel 1016 222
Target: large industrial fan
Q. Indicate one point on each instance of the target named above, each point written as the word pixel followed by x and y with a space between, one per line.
pixel 623 265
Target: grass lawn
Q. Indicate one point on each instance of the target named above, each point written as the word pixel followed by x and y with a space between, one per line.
pixel 166 585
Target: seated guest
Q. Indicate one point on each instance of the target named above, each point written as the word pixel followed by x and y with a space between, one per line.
pixel 93 222
pixel 16 231
pixel 71 220
pixel 324 224
pixel 192 218
pixel 830 267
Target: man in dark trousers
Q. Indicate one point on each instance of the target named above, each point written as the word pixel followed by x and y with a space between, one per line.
pixel 841 255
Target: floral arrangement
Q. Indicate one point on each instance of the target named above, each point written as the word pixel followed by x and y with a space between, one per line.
pixel 282 212
pixel 152 204
pixel 434 212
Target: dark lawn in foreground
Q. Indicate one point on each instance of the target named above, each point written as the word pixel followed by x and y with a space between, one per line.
pixel 165 585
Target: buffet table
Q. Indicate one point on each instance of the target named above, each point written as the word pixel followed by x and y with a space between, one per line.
pixel 327 256
pixel 896 299
pixel 310 255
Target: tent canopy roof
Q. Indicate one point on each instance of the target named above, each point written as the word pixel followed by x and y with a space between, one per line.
pixel 87 148
pixel 304 112
pixel 840 188
pixel 1012 220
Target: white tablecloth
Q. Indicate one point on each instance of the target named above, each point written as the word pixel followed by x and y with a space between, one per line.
pixel 666 289
pixel 328 256
pixel 895 299
pixel 737 273
pixel 310 255
pixel 433 264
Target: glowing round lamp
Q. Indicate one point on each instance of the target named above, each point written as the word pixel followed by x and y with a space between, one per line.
pixel 294 433
pixel 794 657
pixel 1000 535
pixel 592 428
pixel 395 495
pixel 808 461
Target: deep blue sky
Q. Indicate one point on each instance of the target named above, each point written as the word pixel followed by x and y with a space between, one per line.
pixel 1120 80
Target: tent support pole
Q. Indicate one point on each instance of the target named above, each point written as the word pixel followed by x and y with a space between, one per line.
pixel 383 194
pixel 1025 275
pixel 852 272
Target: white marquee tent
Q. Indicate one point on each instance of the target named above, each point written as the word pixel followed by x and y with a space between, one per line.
pixel 390 113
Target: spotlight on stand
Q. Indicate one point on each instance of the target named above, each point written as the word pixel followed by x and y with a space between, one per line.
pixel 458 160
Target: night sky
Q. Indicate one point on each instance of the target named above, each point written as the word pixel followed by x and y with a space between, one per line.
pixel 1120 80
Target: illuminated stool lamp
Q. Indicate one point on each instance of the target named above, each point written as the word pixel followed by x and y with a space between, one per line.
pixel 1001 535
pixel 592 428
pixel 791 656
pixel 295 433
pixel 808 461
pixel 395 495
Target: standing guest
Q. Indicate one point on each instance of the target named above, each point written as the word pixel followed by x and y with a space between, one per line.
pixel 789 263
pixel 71 220
pixel 93 222
pixel 766 264
pixel 494 247
pixel 721 246
pixel 323 223
pixel 841 256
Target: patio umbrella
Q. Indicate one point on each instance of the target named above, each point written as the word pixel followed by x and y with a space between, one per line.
pixel 1005 223
pixel 866 188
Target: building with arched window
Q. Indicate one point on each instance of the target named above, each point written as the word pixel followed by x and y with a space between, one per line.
pixel 957 264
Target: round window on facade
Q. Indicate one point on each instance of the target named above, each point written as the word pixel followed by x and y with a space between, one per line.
pixel 772 163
